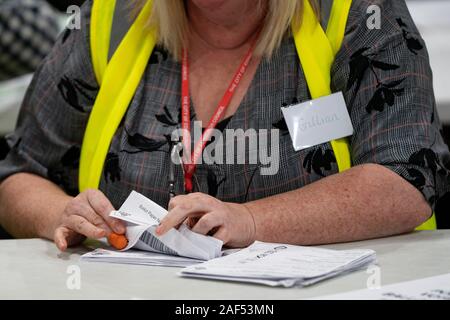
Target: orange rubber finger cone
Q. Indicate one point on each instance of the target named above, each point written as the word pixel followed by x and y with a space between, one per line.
pixel 118 241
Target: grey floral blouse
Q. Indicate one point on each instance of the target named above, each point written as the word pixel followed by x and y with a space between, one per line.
pixel 384 75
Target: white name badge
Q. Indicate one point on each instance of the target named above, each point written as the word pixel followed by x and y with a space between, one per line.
pixel 318 121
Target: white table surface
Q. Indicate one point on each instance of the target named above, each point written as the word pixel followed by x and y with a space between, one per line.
pixel 34 269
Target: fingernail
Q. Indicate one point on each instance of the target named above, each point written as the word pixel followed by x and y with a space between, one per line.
pixel 159 230
pixel 119 228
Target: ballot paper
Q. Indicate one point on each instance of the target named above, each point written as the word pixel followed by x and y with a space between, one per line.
pixel 142 216
pixel 138 257
pixel 432 288
pixel 281 265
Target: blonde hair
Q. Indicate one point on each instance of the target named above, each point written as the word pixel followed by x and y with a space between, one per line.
pixel 169 16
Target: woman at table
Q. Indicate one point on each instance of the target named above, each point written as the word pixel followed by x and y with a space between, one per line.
pixel 400 162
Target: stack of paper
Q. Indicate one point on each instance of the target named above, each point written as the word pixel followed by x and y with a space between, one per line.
pixel 142 216
pixel 281 265
pixel 138 257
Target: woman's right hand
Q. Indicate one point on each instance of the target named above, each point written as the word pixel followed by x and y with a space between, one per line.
pixel 86 215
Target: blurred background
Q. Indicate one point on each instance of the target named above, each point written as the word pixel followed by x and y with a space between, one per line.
pixel 28 29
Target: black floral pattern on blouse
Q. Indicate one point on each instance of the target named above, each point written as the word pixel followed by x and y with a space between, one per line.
pixel 143 144
pixel 64 172
pixel 360 63
pixel 385 95
pixel 213 183
pixel 75 91
pixel 426 158
pixel 112 168
pixel 281 125
pixel 319 161
pixel 413 43
pixel 158 56
pixel 167 119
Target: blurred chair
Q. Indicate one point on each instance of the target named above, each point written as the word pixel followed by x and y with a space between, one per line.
pixel 28 30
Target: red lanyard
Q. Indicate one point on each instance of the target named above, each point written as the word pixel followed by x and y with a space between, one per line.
pixel 189 166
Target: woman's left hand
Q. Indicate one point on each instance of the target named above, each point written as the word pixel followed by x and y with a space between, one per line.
pixel 230 222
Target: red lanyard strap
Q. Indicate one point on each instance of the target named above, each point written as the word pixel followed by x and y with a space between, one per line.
pixel 190 164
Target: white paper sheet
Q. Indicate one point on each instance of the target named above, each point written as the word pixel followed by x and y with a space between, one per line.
pixel 281 265
pixel 433 288
pixel 138 257
pixel 142 216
